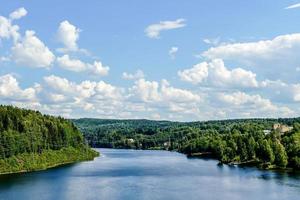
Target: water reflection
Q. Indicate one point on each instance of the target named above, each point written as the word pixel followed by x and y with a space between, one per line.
pixel 127 174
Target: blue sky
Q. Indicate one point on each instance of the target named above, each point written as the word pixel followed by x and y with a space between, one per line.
pixel 174 60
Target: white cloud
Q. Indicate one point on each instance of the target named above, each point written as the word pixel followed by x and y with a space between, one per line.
pixel 68 34
pixel 212 41
pixel 17 14
pixel 71 64
pixel 173 51
pixel 170 94
pixel 215 73
pixel 11 91
pixel 297 5
pixel 240 98
pixel 281 92
pixel 296 92
pixel 84 90
pixel 155 116
pixel 145 99
pixel 152 91
pixel 146 90
pixel 153 31
pixel 139 74
pixel 56 97
pixel 266 57
pixel 197 74
pixel 99 98
pixel 31 51
pixel 264 49
pixel 97 68
pixel 253 105
pixel 77 65
pixel 217 94
pixel 272 59
pixel 8 30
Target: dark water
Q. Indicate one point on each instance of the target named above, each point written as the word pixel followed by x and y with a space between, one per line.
pixel 129 174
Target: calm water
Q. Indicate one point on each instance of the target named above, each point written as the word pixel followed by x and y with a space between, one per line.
pixel 129 174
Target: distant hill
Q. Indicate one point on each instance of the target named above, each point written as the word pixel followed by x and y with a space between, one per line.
pixel 230 141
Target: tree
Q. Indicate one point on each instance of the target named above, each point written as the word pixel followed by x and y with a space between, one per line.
pixel 265 151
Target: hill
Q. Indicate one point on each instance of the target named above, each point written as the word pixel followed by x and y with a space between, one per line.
pixel 32 141
pixel 235 141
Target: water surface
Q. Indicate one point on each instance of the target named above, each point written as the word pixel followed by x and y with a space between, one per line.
pixel 150 175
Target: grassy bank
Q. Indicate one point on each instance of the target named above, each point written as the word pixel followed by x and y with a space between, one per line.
pixel 27 162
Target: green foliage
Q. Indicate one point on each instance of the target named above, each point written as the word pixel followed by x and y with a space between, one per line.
pixel 49 158
pixel 230 141
pixel 25 132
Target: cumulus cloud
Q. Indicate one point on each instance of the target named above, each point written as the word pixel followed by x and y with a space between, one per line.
pixel 164 98
pixel 253 105
pixel 221 92
pixel 97 68
pixel 154 30
pixel 31 51
pixel 58 95
pixel 196 74
pixel 146 90
pixel 71 64
pixel 264 49
pixel 68 34
pixel 85 89
pixel 265 56
pixel 8 30
pixel 139 74
pixel 17 14
pixel 99 98
pixel 173 51
pixel 170 94
pixel 215 73
pixel 280 91
pixel 11 91
pixel 152 91
pixel 77 65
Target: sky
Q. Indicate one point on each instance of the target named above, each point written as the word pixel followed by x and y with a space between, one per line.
pixel 163 60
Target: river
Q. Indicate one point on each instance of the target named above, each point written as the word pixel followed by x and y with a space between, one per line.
pixel 150 175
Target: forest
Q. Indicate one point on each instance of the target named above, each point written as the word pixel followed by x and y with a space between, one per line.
pixel 31 141
pixel 236 141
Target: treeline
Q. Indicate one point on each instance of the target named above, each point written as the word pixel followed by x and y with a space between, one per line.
pixel 249 146
pixel 230 141
pixel 25 132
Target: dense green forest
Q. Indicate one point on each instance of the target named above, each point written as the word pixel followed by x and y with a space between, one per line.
pixel 32 141
pixel 243 141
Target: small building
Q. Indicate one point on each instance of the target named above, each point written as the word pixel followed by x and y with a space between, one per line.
pixel 267 132
pixel 282 128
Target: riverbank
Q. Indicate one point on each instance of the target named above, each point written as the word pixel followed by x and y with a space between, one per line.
pixel 249 163
pixel 28 162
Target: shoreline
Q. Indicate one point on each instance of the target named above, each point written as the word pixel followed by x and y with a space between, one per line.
pixel 26 163
pixel 44 169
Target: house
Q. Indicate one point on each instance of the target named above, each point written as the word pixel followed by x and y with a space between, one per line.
pixel 267 132
pixel 282 128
